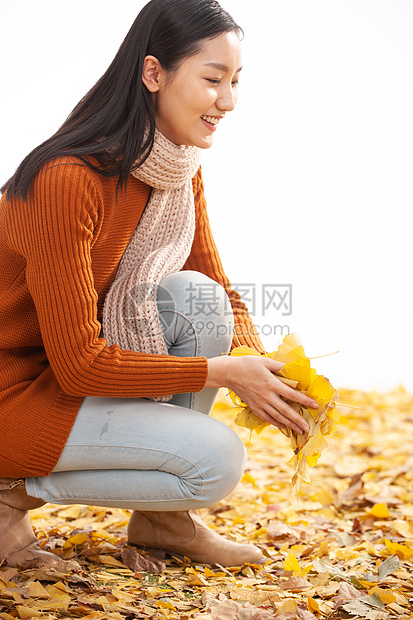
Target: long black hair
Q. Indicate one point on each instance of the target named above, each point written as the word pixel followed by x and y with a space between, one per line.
pixel 108 124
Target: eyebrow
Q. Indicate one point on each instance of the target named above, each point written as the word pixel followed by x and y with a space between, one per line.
pixel 220 67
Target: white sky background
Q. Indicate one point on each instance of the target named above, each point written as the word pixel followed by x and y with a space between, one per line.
pixel 309 181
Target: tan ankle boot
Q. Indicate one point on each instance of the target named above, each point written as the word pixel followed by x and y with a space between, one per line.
pixel 185 534
pixel 18 544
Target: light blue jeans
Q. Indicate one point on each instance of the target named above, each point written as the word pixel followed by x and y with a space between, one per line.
pixel 145 455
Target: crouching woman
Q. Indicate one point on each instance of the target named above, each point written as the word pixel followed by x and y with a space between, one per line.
pixel 111 350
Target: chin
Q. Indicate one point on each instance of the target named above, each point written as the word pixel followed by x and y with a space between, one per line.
pixel 201 142
pixel 205 143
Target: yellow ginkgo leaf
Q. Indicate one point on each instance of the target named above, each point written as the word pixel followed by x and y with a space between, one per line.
pixel 403 552
pixel 244 350
pixel 298 374
pixel 75 540
pixel 313 459
pixel 289 350
pixel 334 414
pixel 247 419
pixel 313 605
pixel 299 370
pixel 379 511
pixel 315 444
pixel 328 424
pixel 289 382
pixel 322 392
pixel 236 399
pixel 291 563
pixel 386 596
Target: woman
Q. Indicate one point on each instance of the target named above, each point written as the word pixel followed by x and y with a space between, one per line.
pixel 105 251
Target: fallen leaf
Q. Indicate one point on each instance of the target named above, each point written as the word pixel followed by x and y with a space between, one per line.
pixel 305 614
pixel 363 606
pixel 8 574
pixel 295 583
pixel 37 590
pixel 27 612
pixel 401 551
pixel 345 593
pixel 389 566
pixel 386 596
pixel 291 564
pixel 141 563
pixel 380 511
pixel 231 610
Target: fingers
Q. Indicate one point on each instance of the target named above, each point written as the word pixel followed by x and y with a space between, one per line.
pixel 289 392
pixel 285 415
pixel 254 381
pixel 296 396
pixel 273 365
pixel 265 416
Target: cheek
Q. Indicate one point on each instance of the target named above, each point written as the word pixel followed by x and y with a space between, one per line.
pixel 168 111
pixel 200 99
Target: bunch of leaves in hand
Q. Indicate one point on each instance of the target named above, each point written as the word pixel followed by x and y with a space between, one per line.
pixel 298 374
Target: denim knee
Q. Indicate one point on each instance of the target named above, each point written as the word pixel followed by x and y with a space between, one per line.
pixel 204 303
pixel 227 462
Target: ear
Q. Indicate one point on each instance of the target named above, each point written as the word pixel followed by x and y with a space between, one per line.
pixel 152 74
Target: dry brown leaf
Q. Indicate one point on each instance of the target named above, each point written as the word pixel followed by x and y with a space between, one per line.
pixel 351 493
pixel 231 610
pixel 346 592
pixel 141 563
pixel 8 574
pixel 304 614
pixel 295 583
pixel 62 567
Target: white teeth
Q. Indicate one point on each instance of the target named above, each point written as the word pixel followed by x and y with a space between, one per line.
pixel 211 119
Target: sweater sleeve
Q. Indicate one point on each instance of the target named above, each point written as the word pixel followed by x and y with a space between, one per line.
pixel 204 257
pixel 54 230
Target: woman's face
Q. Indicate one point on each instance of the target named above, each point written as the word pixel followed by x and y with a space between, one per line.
pixel 190 102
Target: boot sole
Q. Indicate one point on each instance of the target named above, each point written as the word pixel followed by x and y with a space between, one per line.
pixel 164 554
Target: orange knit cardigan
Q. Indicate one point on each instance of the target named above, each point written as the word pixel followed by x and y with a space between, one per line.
pixel 59 252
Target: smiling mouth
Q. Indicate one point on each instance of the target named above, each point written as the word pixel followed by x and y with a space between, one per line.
pixel 212 120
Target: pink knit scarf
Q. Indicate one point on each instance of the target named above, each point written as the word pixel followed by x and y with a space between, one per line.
pixel 159 246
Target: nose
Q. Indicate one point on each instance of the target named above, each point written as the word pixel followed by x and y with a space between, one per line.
pixel 227 99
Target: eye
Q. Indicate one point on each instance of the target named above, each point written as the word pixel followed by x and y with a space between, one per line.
pixel 212 81
pixel 235 82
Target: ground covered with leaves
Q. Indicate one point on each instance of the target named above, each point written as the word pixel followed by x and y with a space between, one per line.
pixel 343 550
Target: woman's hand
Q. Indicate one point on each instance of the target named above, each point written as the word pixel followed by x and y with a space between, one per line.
pixel 252 379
